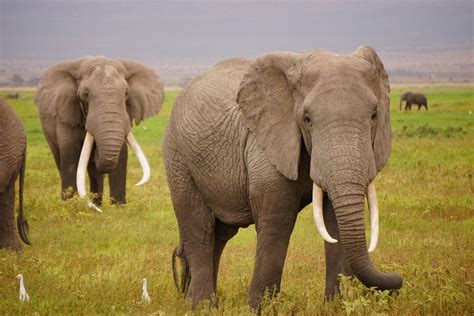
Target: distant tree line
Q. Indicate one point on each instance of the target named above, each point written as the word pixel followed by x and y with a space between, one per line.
pixel 18 81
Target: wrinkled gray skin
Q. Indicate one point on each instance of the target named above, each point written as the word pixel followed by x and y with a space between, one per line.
pixel 413 98
pixel 245 142
pixel 102 96
pixel 12 166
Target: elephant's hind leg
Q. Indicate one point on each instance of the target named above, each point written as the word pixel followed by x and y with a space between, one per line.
pixel 196 228
pixel 8 233
pixel 223 233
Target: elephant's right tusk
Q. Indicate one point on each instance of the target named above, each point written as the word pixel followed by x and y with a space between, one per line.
pixel 141 158
pixel 82 168
pixel 318 214
pixel 374 216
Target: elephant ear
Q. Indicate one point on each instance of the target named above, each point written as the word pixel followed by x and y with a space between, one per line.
pixel 266 100
pixel 145 93
pixel 57 93
pixel 382 142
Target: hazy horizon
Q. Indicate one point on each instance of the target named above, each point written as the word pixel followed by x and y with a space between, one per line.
pixel 187 34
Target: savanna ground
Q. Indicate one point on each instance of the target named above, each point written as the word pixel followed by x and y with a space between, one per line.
pixel 82 262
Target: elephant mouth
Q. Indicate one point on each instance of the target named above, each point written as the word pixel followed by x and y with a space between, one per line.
pixel 84 161
pixel 373 210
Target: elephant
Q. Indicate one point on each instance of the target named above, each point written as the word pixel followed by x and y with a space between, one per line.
pixel 13 95
pixel 413 98
pixel 12 167
pixel 87 107
pixel 254 142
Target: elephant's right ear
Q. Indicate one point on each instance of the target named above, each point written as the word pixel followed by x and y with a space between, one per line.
pixel 266 99
pixel 57 93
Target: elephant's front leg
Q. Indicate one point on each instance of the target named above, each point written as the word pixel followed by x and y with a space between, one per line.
pixel 335 260
pixel 276 218
pixel 118 179
pixel 70 145
pixel 96 183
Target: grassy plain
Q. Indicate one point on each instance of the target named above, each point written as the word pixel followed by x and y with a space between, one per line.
pixel 82 262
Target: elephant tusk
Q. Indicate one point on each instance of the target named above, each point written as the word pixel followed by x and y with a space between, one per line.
pixel 318 214
pixel 374 216
pixel 141 158
pixel 82 168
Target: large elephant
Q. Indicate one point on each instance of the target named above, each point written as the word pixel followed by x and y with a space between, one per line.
pixel 255 142
pixel 12 166
pixel 413 98
pixel 93 100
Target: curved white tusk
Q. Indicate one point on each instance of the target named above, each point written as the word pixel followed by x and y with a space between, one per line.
pixel 82 168
pixel 374 216
pixel 141 158
pixel 318 214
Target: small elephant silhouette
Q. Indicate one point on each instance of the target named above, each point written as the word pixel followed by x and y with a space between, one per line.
pixel 413 98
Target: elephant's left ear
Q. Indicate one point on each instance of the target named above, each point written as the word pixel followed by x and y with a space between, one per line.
pixel 382 142
pixel 145 91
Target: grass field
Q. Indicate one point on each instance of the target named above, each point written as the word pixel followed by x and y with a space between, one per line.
pixel 82 262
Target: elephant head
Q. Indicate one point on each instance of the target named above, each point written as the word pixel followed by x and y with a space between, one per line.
pixel 337 107
pixel 102 97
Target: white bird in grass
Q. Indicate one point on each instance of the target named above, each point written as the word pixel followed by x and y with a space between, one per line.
pixel 24 297
pixel 145 296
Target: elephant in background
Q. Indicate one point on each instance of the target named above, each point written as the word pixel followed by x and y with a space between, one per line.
pixel 87 107
pixel 12 166
pixel 254 142
pixel 13 95
pixel 413 98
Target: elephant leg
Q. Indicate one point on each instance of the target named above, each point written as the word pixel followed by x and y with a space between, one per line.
pixel 70 146
pixel 335 260
pixel 96 184
pixel 8 233
pixel 223 233
pixel 196 229
pixel 68 171
pixel 274 223
pixel 118 179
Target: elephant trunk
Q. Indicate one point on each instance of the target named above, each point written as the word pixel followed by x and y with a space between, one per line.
pixel 341 167
pixel 349 209
pixel 109 127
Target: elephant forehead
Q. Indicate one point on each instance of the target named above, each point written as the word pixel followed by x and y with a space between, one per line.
pixel 106 74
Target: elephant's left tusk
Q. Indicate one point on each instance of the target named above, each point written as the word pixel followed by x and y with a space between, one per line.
pixel 374 216
pixel 141 158
pixel 318 214
pixel 82 168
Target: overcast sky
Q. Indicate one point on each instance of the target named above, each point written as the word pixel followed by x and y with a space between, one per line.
pixel 204 31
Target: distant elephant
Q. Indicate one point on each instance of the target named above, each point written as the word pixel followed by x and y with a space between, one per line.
pixel 13 95
pixel 12 166
pixel 413 98
pixel 255 142
pixel 87 106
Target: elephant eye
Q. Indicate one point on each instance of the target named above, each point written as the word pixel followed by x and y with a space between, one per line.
pixel 85 94
pixel 307 120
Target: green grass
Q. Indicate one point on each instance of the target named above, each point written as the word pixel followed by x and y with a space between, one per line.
pixel 82 262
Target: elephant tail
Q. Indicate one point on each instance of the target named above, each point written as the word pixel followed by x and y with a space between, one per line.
pixel 21 222
pixel 401 100
pixel 181 282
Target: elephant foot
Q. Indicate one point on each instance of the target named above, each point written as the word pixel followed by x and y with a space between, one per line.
pixel 118 201
pixel 11 243
pixel 182 278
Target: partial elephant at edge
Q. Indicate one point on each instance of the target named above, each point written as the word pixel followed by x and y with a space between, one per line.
pixel 12 167
pixel 87 107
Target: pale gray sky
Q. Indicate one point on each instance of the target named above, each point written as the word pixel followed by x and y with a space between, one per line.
pixel 200 31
